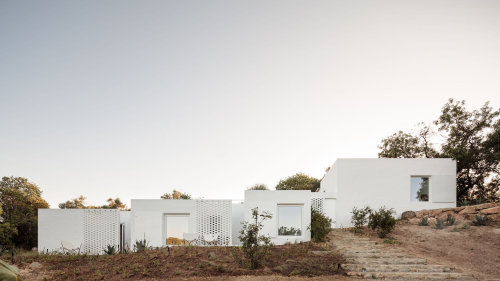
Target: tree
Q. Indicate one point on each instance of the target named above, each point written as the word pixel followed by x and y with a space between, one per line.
pixel 253 245
pixel 79 203
pixel 258 186
pixel 75 203
pixel 20 201
pixel 114 204
pixel 299 181
pixel 407 145
pixel 320 226
pixel 472 138
pixel 176 195
pixel 7 233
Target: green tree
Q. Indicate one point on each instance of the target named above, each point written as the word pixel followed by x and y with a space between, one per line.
pixel 472 138
pixel 7 233
pixel 259 186
pixel 407 145
pixel 20 201
pixel 176 195
pixel 299 181
pixel 254 245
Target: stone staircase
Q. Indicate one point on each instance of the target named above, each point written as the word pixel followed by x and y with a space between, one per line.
pixel 365 258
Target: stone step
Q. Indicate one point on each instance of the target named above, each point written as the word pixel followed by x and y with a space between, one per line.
pixel 375 255
pixel 412 275
pixel 395 268
pixel 383 260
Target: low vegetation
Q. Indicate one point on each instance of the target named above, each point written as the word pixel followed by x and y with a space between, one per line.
pixel 320 226
pixel 359 217
pixel 381 221
pixel 424 221
pixel 481 220
pixel 254 246
pixel 439 224
pixel 175 262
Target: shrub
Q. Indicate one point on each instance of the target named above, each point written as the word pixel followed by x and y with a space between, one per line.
pixel 424 221
pixel 439 224
pixel 481 220
pixel 392 240
pixel 255 246
pixel 382 221
pixel 320 226
pixel 141 245
pixel 360 217
pixel 111 250
pixel 450 220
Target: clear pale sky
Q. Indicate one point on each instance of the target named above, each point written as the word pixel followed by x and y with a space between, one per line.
pixel 131 99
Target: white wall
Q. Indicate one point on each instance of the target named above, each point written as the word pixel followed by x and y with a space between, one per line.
pixel 237 217
pixel 147 218
pixel 386 182
pixel 56 225
pixel 268 200
pixel 125 218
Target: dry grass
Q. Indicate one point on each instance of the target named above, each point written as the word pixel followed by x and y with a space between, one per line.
pixel 287 260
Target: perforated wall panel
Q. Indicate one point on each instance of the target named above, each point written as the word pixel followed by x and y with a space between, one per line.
pixel 317 204
pixel 214 217
pixel 100 228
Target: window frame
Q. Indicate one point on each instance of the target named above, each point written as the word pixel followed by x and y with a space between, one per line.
pixel 429 192
pixel 278 219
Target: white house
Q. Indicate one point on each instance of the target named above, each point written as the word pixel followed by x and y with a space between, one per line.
pixel 402 184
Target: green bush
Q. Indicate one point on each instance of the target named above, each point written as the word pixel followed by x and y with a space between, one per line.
pixel 450 220
pixel 424 221
pixel 255 246
pixel 141 245
pixel 360 217
pixel 111 250
pixel 382 221
pixel 481 220
pixel 320 226
pixel 439 224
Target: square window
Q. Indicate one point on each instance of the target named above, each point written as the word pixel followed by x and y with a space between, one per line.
pixel 419 189
pixel 289 220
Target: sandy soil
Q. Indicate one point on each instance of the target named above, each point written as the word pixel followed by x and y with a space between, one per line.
pixel 262 278
pixel 475 249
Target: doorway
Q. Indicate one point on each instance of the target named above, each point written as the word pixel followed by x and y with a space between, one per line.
pixel 174 227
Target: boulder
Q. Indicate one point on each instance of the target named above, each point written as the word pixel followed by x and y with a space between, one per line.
pixel 432 221
pixel 408 215
pixel 490 211
pixel 35 266
pixel 494 217
pixel 435 212
pixel 486 206
pixel 468 210
pixel 414 221
pixel 422 213
pixel 444 215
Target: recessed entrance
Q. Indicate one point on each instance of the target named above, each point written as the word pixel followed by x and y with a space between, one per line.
pixel 174 226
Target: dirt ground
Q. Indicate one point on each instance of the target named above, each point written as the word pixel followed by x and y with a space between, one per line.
pixel 473 249
pixel 186 263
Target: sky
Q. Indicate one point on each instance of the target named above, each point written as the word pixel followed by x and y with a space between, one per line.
pixel 132 99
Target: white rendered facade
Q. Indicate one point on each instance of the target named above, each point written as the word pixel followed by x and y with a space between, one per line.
pixel 386 182
pixel 349 183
